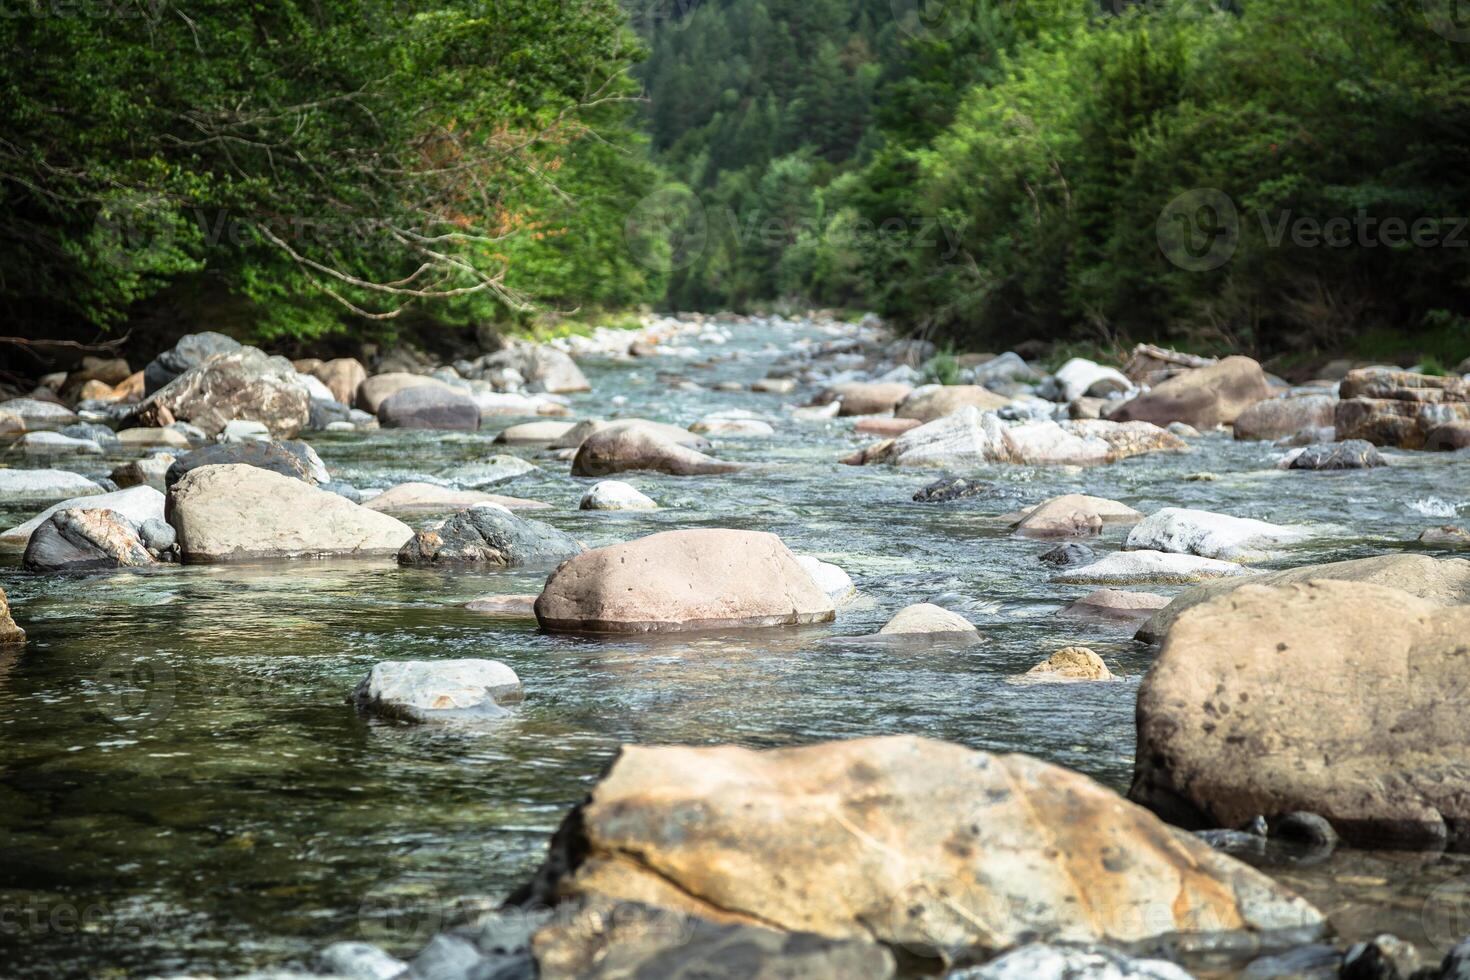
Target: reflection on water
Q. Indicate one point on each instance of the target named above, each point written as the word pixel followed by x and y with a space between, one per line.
pixel 183 785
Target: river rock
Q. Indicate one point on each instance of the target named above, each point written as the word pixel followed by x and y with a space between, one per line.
pixel 832 580
pixel 936 401
pixel 1448 438
pixel 373 391
pixel 490 535
pixel 10 633
pixel 1279 418
pixel 342 376
pixel 1352 454
pixel 1396 408
pixel 1443 581
pixel 1117 604
pixel 605 940
pixel 136 504
pixel 238 512
pixel 951 488
pixel 1074 515
pixel 925 617
pixel 1079 377
pixel 970 437
pixel 1051 961
pixel 543 368
pixel 85 540
pixel 157 536
pixel 292 458
pixel 34 486
pixel 534 433
pixel 429 498
pixel 1447 536
pixel 1203 397
pixel 496 469
pixel 867 398
pixel 1148 567
pixel 1070 664
pixel 242 384
pixel 424 407
pixel 623 449
pixel 881 425
pixel 54 444
pixel 1070 553
pixel 616 495
pixel 1231 715
pixel 577 434
pixel 439 690
pixel 774 386
pixel 1181 531
pixel 703 578
pixel 244 430
pixel 359 961
pixel 154 437
pixel 733 428
pixel 190 352
pixel 930 847
pixel 38 414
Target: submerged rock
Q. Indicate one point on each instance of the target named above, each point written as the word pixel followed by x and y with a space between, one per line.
pixel 439 690
pixel 1231 715
pixel 973 858
pixel 953 488
pixel 237 512
pixel 1154 567
pixel 1179 530
pixel 1070 664
pixel 705 578
pixel 85 541
pixel 429 498
pixel 1117 604
pixel 488 535
pixel 616 495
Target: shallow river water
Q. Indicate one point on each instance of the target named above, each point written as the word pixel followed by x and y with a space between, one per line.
pixel 183 786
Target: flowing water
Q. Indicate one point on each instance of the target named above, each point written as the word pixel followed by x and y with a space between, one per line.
pixel 184 787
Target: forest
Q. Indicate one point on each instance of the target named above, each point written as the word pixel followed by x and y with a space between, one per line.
pixel 1223 174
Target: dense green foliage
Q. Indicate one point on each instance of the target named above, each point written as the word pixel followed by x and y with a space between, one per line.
pixel 1012 170
pixel 291 167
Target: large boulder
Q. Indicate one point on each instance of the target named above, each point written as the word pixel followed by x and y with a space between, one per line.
pixel 439 690
pixel 137 504
pixel 1343 699
pixel 1181 531
pixel 1397 408
pixel 1444 581
pixel 424 407
pixel 291 458
pixel 237 512
pixel 33 486
pixel 342 376
pixel 971 437
pixel 1148 567
pixel 1080 377
pixel 190 352
pixel 83 541
pixel 929 847
pixel 936 401
pixel 243 384
pixel 429 498
pixel 489 535
pixel 10 633
pixel 35 413
pixel 1203 397
pixel 1073 515
pixel 373 391
pixel 1278 418
pixel 705 578
pixel 623 449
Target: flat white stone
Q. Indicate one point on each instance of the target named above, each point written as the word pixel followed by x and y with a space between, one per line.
pixel 419 690
pixel 1183 531
pixel 1137 567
